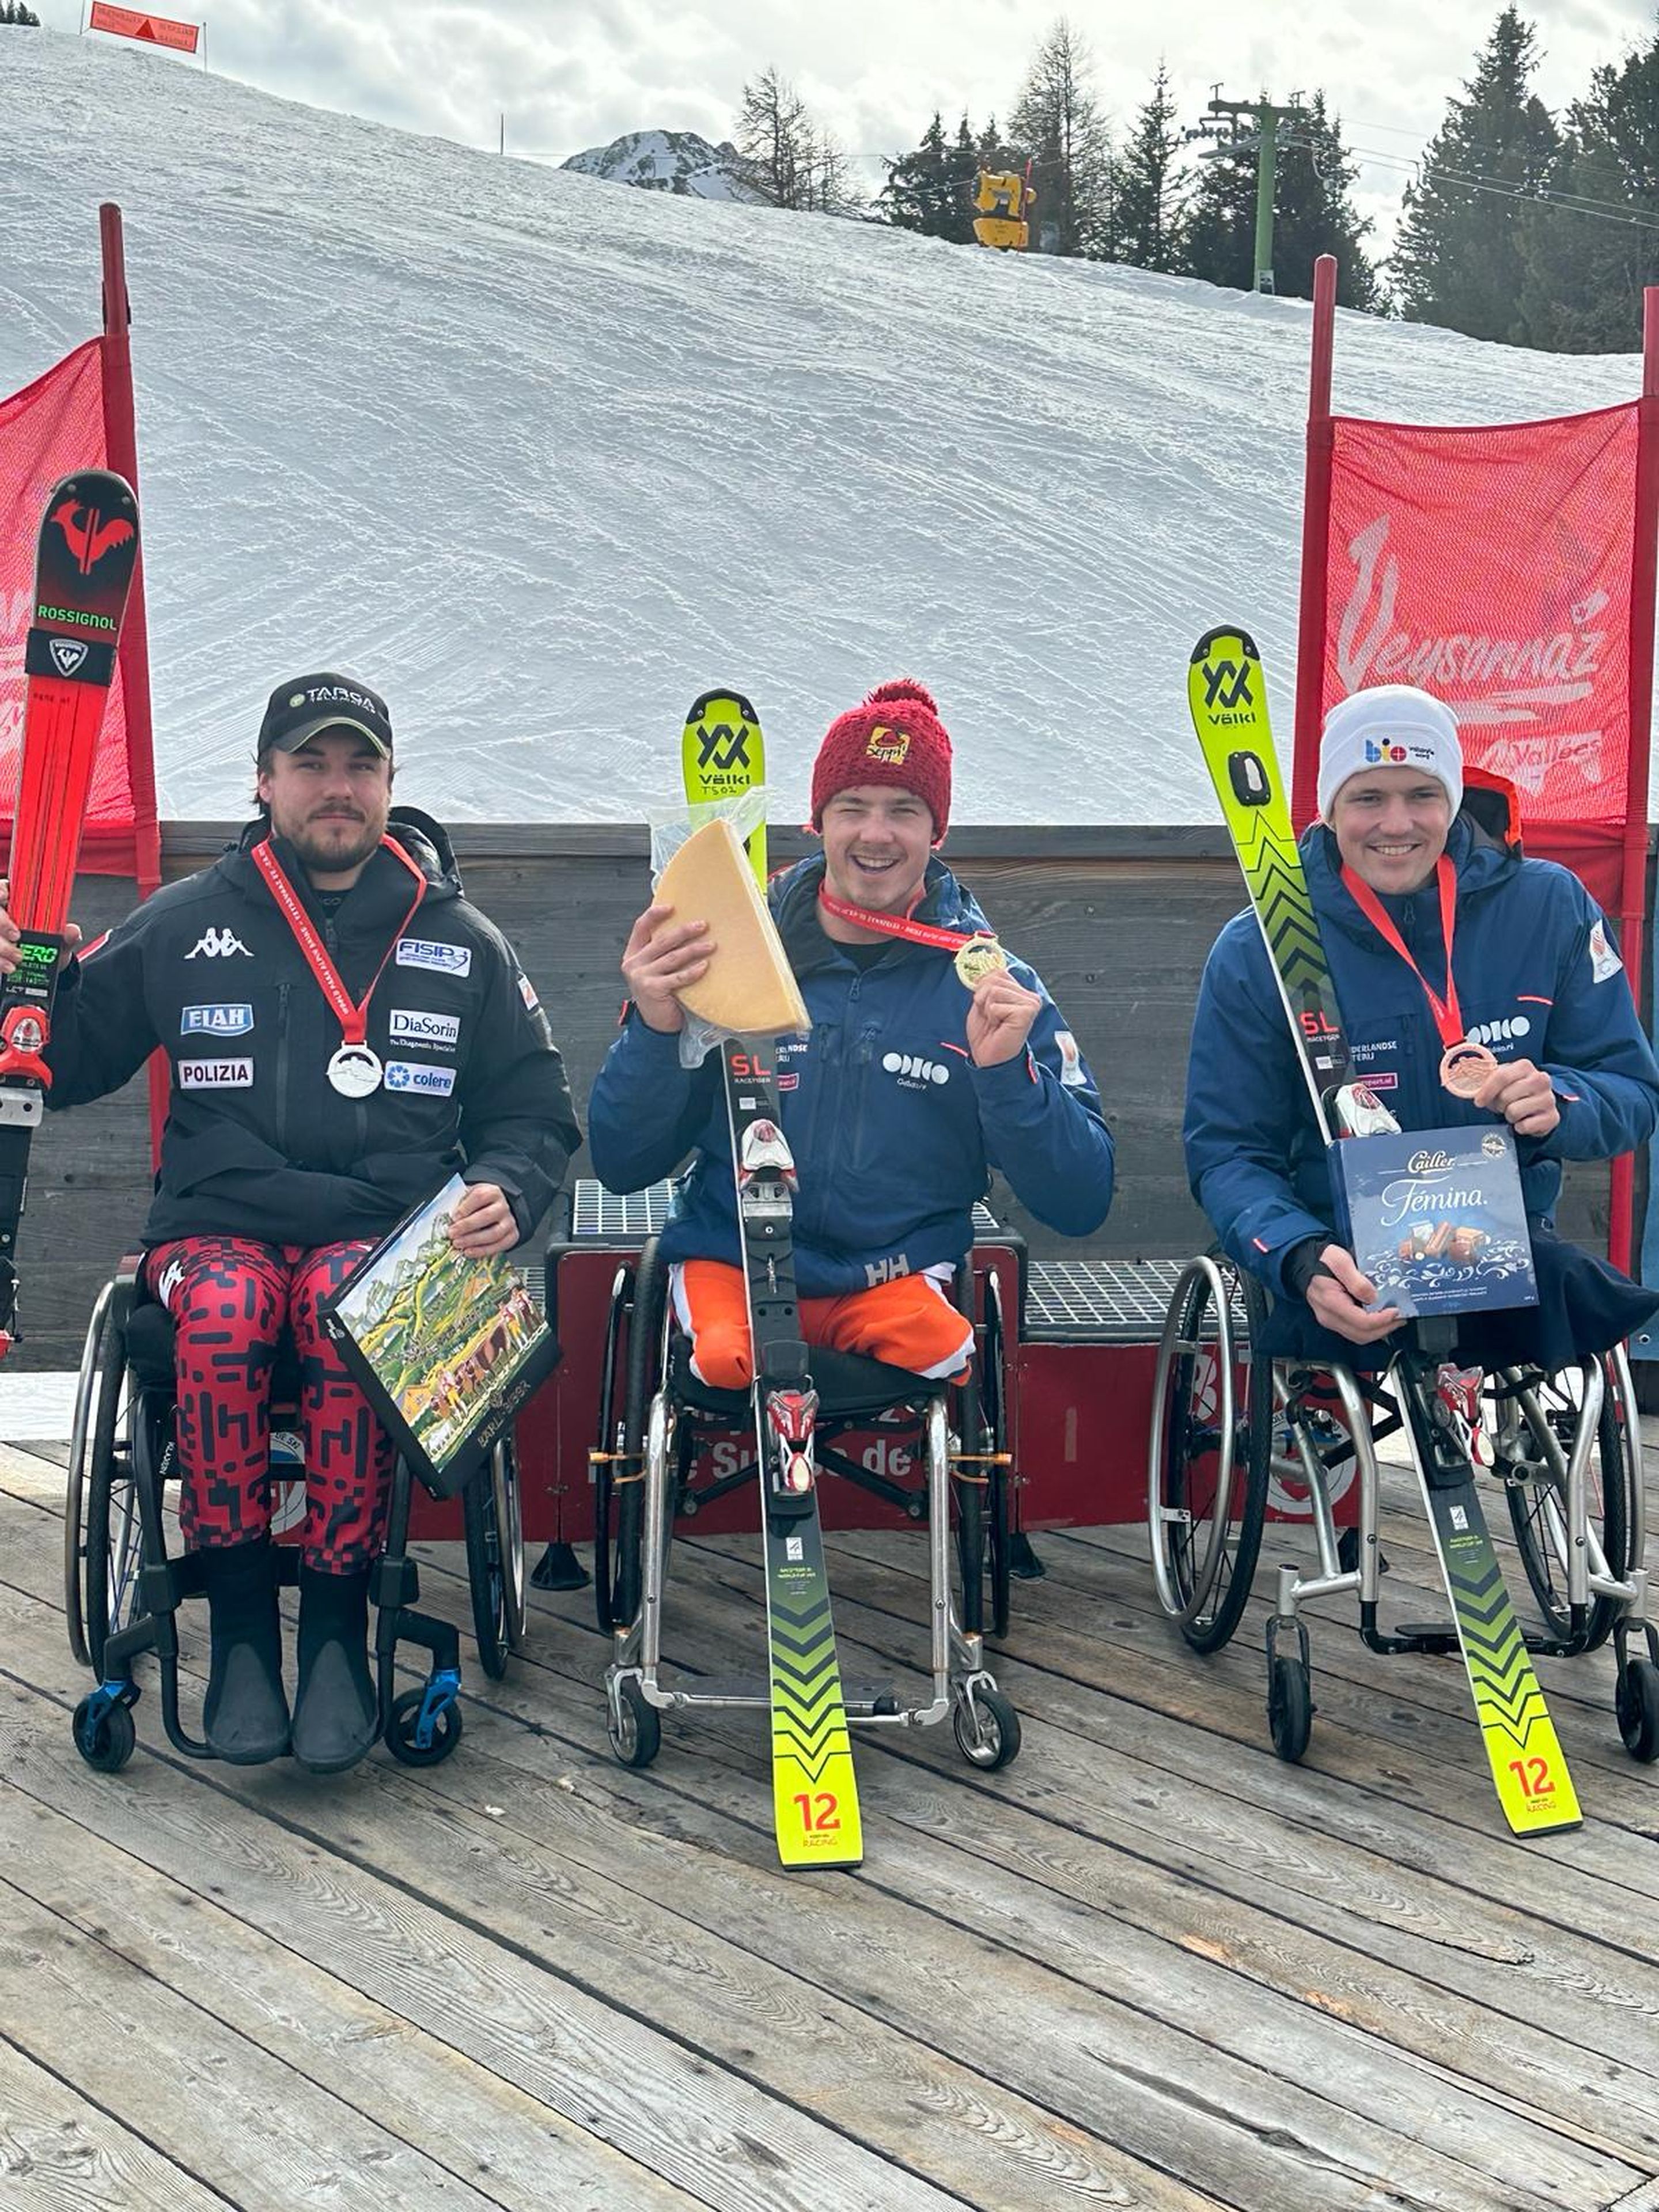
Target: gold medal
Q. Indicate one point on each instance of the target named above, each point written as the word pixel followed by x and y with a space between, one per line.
pixel 979 956
pixel 1464 1067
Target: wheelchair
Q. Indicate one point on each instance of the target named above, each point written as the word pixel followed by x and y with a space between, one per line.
pixel 122 1590
pixel 1229 1424
pixel 651 1469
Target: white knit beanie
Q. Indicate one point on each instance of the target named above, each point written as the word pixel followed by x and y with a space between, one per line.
pixel 1390 726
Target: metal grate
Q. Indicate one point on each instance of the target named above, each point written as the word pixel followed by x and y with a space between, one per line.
pixel 1098 1301
pixel 597 1212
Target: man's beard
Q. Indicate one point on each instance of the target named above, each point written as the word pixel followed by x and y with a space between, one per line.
pixel 322 857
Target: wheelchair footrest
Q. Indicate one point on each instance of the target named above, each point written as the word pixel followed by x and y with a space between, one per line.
pixel 860 1698
pixel 1428 1635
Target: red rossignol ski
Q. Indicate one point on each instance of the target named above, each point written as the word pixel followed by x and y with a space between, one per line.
pixel 88 547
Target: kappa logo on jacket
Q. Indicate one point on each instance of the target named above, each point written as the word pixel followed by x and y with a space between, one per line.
pixel 218 945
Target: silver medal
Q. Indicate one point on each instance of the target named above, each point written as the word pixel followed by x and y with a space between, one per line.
pixel 355 1071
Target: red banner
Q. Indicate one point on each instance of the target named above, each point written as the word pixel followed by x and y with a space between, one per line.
pixel 54 426
pixel 1493 568
pixel 155 30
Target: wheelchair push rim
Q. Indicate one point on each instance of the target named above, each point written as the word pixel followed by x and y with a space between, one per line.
pixel 1208 1451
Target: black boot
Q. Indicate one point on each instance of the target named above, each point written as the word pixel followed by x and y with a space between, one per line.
pixel 245 1718
pixel 336 1711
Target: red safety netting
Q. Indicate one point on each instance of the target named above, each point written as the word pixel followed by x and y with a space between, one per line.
pixel 52 427
pixel 1493 566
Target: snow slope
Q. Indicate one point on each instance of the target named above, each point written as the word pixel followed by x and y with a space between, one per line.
pixel 543 460
pixel 668 162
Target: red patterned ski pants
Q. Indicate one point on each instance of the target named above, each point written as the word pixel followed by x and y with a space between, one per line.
pixel 230 1299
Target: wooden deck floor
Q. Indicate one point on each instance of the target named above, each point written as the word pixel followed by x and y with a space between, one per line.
pixel 1147 1966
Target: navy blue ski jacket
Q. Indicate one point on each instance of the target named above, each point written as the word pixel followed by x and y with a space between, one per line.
pixel 1538 978
pixel 894 1129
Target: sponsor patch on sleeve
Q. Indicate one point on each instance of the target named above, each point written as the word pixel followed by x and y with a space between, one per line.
pixel 528 993
pixel 216 1075
pixel 1604 961
pixel 1070 1061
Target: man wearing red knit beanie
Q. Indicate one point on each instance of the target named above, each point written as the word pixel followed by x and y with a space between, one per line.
pixel 934 1056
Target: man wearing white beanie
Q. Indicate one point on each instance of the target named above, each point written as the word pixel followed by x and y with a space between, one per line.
pixel 1449 953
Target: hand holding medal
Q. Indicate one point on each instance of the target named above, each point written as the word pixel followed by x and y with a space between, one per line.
pixel 1002 1011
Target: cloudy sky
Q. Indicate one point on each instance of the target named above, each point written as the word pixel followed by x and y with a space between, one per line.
pixel 572 74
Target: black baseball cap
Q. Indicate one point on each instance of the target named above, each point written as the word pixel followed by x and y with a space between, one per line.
pixel 308 705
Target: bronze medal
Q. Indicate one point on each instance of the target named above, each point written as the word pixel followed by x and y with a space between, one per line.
pixel 1465 1067
pixel 979 956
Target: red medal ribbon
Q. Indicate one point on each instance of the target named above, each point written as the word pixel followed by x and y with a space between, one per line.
pixel 1448 1018
pixel 354 1020
pixel 895 925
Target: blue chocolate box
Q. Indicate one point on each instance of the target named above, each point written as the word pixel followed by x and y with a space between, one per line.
pixel 1435 1217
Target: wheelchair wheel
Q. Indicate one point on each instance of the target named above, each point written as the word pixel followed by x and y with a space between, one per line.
pixel 1290 1705
pixel 1210 1438
pixel 987 1732
pixel 105 1739
pixel 645 1330
pixel 1636 1704
pixel 636 1737
pixel 112 1529
pixel 609 1441
pixel 1534 1483
pixel 402 1731
pixel 993 1430
pixel 102 1334
pixel 492 1509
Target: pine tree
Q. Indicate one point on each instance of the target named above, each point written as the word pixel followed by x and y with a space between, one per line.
pixel 930 190
pixel 1218 236
pixel 1150 193
pixel 774 136
pixel 1058 122
pixel 1459 259
pixel 1586 266
pixel 1313 213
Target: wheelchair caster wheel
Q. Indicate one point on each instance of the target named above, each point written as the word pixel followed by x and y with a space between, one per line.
pixel 104 1735
pixel 1290 1706
pixel 987 1729
pixel 635 1727
pixel 1636 1703
pixel 401 1731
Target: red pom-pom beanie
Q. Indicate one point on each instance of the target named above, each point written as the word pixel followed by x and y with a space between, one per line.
pixel 895 737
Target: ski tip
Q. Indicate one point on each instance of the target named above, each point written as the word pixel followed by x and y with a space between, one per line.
pixel 705 700
pixel 1233 636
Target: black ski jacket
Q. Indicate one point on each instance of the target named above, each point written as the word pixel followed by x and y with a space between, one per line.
pixel 258 1142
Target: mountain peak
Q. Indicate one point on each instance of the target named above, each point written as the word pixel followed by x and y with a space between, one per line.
pixel 669 161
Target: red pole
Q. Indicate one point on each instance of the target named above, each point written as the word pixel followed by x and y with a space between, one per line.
pixel 1644 577
pixel 1316 547
pixel 121 445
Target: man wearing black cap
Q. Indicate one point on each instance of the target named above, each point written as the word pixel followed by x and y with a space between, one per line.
pixel 345 1031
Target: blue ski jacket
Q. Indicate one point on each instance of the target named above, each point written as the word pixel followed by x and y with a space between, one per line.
pixel 1538 978
pixel 894 1129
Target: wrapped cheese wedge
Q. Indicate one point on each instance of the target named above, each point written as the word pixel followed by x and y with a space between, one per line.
pixel 749 990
